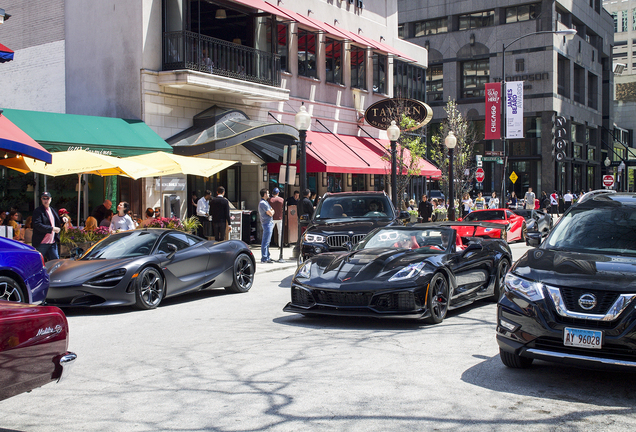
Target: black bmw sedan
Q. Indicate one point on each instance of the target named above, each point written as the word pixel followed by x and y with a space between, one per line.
pixel 572 299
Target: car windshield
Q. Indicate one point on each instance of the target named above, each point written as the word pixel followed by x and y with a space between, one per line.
pixel 123 245
pixel 433 239
pixel 487 215
pixel 338 207
pixel 603 229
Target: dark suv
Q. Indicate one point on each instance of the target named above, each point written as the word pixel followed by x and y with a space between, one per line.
pixel 571 300
pixel 343 219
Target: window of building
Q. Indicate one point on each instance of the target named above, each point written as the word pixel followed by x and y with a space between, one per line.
pixel 624 23
pixel 307 53
pixel 579 84
pixel 591 153
pixel 577 151
pixel 520 65
pixel 380 65
pixel 429 27
pixel 522 13
pixel 475 75
pixel 563 76
pixel 358 183
pixel 408 81
pixel 435 82
pixel 590 177
pixel 333 61
pixel 477 20
pixel 358 70
pixel 592 90
pixel 282 45
pixel 615 18
pixel 402 31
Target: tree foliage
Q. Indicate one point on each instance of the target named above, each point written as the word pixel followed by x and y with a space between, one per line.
pixel 464 153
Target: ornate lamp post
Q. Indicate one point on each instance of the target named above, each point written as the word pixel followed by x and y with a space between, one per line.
pixel 393 132
pixel 569 35
pixel 303 122
pixel 451 141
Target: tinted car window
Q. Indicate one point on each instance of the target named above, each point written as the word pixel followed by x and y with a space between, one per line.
pixel 437 239
pixel 180 240
pixel 485 216
pixel 354 207
pixel 123 245
pixel 602 229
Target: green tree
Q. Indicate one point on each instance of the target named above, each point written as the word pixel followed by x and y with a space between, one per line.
pixel 464 154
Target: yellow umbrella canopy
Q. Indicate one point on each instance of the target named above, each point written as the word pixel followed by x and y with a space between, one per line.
pixel 81 162
pixel 168 163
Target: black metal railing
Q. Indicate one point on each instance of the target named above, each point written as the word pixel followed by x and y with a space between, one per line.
pixel 189 50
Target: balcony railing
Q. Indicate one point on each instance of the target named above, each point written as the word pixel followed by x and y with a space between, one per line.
pixel 188 50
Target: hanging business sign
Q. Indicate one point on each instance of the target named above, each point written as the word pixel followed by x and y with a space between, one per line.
pixel 380 114
pixel 493 111
pixel 514 109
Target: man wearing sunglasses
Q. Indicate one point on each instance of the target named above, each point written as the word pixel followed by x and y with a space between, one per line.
pixel 46 228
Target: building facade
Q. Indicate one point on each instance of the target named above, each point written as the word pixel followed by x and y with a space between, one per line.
pixel 572 79
pixel 218 78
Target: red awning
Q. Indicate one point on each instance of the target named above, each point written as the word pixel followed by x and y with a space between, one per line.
pixel 15 140
pixel 350 154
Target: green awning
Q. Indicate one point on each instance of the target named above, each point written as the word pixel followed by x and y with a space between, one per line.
pixel 105 135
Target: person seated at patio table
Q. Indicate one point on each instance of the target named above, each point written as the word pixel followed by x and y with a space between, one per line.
pixel 91 223
pixel 122 221
pixel 108 217
pixel 66 218
pixel 12 221
pixel 150 217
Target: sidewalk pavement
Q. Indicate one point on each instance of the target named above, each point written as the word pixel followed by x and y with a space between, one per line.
pixel 274 253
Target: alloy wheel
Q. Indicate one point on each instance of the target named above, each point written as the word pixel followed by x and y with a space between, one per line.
pixel 244 273
pixel 151 287
pixel 10 290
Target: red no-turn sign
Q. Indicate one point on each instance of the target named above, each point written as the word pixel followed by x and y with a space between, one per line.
pixel 480 175
pixel 608 181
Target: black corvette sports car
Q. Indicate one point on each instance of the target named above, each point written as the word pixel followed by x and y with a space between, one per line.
pixel 536 220
pixel 144 266
pixel 419 272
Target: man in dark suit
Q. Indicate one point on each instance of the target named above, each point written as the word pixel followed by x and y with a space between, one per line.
pixel 306 206
pixel 46 228
pixel 425 209
pixel 220 212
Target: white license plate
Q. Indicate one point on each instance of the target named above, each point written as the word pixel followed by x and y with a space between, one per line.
pixel 582 338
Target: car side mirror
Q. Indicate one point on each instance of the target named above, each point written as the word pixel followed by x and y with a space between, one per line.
pixel 173 250
pixel 304 218
pixel 76 253
pixel 404 215
pixel 348 245
pixel 533 239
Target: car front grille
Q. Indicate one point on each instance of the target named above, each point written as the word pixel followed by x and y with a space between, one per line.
pixel 604 300
pixel 302 297
pixel 612 351
pixel 337 298
pixel 338 240
pixel 397 301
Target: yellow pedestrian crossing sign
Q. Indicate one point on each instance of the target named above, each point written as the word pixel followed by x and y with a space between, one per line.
pixel 514 177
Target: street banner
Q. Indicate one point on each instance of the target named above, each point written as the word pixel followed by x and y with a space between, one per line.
pixel 514 109
pixel 493 111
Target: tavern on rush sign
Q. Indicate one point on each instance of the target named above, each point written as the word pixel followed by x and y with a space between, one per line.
pixel 380 114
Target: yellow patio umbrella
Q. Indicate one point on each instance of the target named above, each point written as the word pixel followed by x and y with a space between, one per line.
pixel 168 163
pixel 80 162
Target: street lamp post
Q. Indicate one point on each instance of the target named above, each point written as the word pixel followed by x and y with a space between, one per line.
pixel 451 141
pixel 303 122
pixel 569 34
pixel 393 132
pixel 621 168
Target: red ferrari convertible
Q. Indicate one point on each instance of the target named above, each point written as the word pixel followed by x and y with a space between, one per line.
pixel 515 224
pixel 33 347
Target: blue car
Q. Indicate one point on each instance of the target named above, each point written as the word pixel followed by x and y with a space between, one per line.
pixel 23 277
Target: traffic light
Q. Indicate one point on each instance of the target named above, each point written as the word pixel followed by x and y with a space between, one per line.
pixel 560 138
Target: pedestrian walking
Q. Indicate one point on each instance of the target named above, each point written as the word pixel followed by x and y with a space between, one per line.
pixel 220 212
pixel 265 213
pixel 203 213
pixel 277 204
pixel 545 201
pixel 480 202
pixel 567 200
pixel 494 201
pixel 46 229
pixel 425 209
pixel 467 204
pixel 554 203
pixel 122 220
pixel 529 199
pixel 512 203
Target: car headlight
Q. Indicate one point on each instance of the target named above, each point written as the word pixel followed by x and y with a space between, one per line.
pixel 528 289
pixel 55 267
pixel 408 272
pixel 314 238
pixel 304 271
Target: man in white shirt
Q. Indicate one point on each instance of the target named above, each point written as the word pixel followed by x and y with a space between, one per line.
pixel 203 212
pixel 567 200
pixel 529 198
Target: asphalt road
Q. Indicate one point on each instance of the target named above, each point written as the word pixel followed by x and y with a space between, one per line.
pixel 219 362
